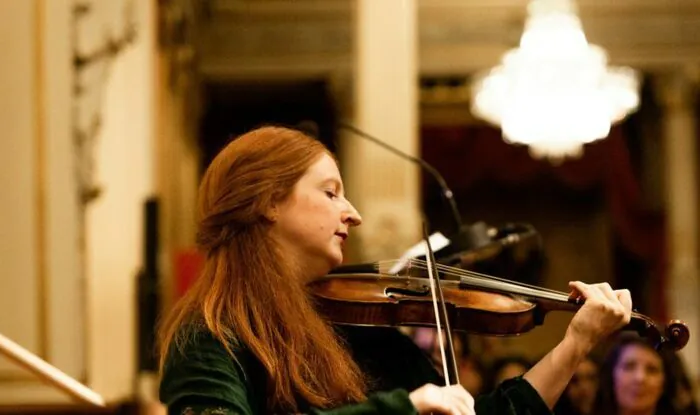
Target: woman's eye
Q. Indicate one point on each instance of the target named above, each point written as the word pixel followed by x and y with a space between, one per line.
pixel 331 194
pixel 653 369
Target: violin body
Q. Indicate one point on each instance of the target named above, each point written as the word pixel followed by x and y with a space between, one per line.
pixel 381 300
pixel 393 301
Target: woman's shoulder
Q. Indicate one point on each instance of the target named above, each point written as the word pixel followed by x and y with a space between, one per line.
pixel 199 368
pixel 196 345
pixel 197 339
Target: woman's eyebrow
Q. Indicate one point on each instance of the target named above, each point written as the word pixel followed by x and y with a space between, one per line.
pixel 332 180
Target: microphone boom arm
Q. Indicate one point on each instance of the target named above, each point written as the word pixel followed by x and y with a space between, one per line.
pixel 446 192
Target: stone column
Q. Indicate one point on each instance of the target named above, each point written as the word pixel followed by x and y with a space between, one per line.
pixel 384 187
pixel 677 93
pixel 41 294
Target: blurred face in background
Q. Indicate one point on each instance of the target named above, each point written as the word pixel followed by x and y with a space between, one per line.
pixel 638 377
pixel 583 386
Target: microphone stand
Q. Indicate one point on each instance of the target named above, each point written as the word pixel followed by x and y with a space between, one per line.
pixel 49 373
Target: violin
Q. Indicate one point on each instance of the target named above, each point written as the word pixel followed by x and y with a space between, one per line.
pixel 473 302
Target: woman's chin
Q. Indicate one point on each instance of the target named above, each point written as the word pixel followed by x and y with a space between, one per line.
pixel 335 261
pixel 322 266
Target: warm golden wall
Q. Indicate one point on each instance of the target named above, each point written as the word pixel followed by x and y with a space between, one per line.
pixel 69 270
pixel 40 299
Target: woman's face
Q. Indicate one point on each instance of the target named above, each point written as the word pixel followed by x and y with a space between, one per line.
pixel 583 386
pixel 638 377
pixel 313 223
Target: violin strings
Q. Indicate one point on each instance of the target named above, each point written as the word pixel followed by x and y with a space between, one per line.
pixel 459 272
pixel 476 281
pixel 452 271
pixel 529 289
pixel 488 281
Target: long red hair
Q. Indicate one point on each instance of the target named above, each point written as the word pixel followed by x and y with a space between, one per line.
pixel 248 294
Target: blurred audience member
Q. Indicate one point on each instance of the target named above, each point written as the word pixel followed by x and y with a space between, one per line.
pixel 579 396
pixel 637 379
pixel 685 390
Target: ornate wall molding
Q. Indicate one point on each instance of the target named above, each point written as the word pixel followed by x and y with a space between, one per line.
pixel 100 33
pixel 178 24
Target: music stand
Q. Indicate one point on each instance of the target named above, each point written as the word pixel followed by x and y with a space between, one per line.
pixel 49 373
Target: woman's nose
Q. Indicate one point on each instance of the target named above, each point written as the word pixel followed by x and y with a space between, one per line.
pixel 351 216
pixel 640 374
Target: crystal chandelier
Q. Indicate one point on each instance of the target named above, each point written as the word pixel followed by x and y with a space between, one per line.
pixel 555 93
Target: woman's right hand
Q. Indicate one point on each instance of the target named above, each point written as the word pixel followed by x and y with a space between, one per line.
pixel 448 400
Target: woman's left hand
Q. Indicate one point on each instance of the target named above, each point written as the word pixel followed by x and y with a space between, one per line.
pixel 604 312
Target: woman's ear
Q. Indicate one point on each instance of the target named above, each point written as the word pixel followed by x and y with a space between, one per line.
pixel 272 214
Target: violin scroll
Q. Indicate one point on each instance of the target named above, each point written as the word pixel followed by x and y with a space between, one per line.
pixel 674 337
pixel 677 335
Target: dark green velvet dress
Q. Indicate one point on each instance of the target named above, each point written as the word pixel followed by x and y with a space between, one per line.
pixel 205 380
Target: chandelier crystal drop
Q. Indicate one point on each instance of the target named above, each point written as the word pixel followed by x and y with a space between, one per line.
pixel 555 92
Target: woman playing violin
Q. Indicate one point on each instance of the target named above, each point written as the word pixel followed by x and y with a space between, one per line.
pixel 247 339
